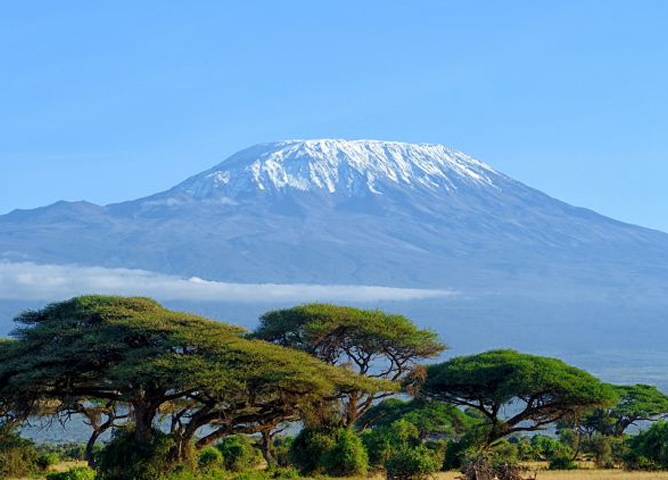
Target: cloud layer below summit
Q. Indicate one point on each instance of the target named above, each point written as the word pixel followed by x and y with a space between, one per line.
pixel 30 281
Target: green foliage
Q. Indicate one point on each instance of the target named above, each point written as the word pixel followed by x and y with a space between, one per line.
pixel 336 453
pixel 76 473
pixel 545 447
pixel 648 450
pixel 373 342
pixel 18 456
pixel 547 388
pixel 347 456
pixel 308 448
pixel 209 456
pixel 507 451
pixel 134 351
pixel 400 449
pixel 280 449
pixel 239 453
pixel 461 450
pixel 384 442
pixel 126 458
pixel 634 403
pixel 563 460
pixel 413 463
pixel 429 417
pixel 600 446
pixel 48 459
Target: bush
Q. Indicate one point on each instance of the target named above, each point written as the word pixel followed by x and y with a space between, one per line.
pixel 412 463
pixel 545 448
pixel 308 448
pixel 648 450
pixel 18 455
pixel 239 453
pixel 124 458
pixel 347 457
pixel 600 447
pixel 338 453
pixel 77 473
pixel 562 461
pixel 46 460
pixel 209 456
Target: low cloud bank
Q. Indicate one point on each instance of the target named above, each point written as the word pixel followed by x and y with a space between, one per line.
pixel 30 281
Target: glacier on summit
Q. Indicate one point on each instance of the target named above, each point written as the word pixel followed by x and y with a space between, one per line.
pixel 343 167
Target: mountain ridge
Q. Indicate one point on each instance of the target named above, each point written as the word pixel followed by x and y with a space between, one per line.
pixel 419 216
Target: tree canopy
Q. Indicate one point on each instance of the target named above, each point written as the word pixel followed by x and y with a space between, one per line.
pixel 635 403
pixel 197 371
pixel 430 418
pixel 536 390
pixel 375 344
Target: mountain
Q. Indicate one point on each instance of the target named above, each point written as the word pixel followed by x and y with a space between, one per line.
pixel 529 271
pixel 354 212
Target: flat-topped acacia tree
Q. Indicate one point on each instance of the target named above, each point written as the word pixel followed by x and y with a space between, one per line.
pixel 515 392
pixel 373 343
pixel 135 352
pixel 635 403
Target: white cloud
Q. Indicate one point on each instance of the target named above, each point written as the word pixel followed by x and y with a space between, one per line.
pixel 30 281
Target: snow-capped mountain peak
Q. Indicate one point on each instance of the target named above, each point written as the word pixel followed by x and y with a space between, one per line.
pixel 343 167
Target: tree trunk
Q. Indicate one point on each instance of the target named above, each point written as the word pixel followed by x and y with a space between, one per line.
pixel 89 454
pixel 144 413
pixel 265 448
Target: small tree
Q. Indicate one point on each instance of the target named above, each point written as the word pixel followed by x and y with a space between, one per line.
pixel 373 343
pixel 540 390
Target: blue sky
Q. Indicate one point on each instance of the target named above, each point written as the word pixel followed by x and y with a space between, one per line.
pixel 108 101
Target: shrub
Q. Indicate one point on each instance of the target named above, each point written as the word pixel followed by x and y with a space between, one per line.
pixel 562 460
pixel 347 457
pixel 648 450
pixel 412 463
pixel 308 448
pixel 48 459
pixel 239 453
pixel 337 453
pixel 545 448
pixel 18 455
pixel 77 473
pixel 124 458
pixel 600 446
pixel 209 456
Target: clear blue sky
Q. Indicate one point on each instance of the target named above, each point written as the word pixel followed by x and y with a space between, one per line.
pixel 108 101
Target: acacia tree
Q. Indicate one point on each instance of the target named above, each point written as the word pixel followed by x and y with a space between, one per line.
pixel 135 352
pixel 375 344
pixel 537 391
pixel 635 403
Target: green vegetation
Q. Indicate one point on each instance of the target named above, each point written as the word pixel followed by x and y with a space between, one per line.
pixel 372 342
pixel 188 398
pixel 544 389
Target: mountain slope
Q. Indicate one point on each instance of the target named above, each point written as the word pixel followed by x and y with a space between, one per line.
pixel 337 211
